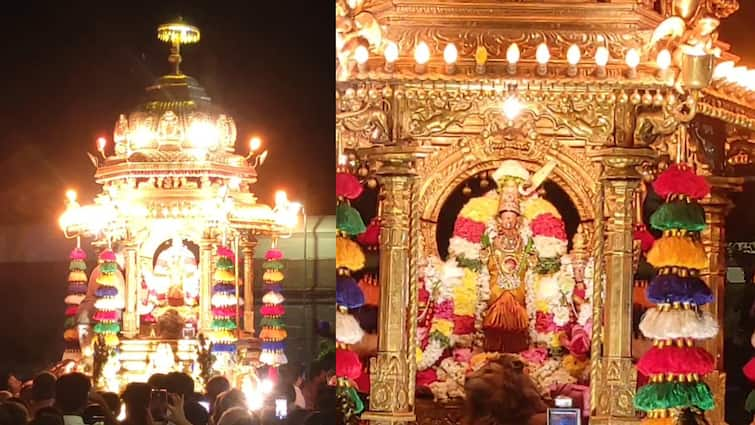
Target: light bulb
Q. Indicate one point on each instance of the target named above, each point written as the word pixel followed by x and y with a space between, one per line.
pixel 254 144
pixel 281 198
pixel 450 54
pixel 573 55
pixel 391 52
pixel 512 53
pixel 601 56
pixel 663 60
pixel 361 55
pixel 511 107
pixel 421 56
pixel 542 55
pixel 722 70
pixel 633 58
pixel 71 195
pixel 101 143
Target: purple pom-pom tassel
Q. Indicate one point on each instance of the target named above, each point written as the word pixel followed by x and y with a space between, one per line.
pixel 670 288
pixel 348 293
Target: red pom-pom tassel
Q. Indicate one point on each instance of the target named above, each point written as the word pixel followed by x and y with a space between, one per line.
pixel 676 360
pixel 371 237
pixel 646 239
pixel 348 186
pixel 681 179
pixel 348 364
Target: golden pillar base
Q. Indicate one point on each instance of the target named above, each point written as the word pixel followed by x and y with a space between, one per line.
pixel 717 383
pixel 617 384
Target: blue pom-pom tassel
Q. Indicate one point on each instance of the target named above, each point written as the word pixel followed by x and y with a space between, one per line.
pixel 106 291
pixel 348 293
pixel 670 288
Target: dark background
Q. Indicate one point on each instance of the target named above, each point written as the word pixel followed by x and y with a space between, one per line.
pixel 68 69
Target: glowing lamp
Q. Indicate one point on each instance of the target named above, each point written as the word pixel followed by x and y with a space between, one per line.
pixel 71 196
pixel 281 198
pixel 421 56
pixel 101 143
pixel 450 55
pixel 601 60
pixel 361 55
pixel 633 61
pixel 542 56
pixel 480 59
pixel 141 137
pixel 203 135
pixel 663 60
pixel 572 56
pixel 512 57
pixel 267 386
pixel 391 56
pixel 511 108
pixel 254 144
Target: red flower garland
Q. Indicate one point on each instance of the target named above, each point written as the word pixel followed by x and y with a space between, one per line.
pixel 469 229
pixel 549 225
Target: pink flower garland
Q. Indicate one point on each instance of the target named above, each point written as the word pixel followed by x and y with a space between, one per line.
pixel 469 229
pixel 549 225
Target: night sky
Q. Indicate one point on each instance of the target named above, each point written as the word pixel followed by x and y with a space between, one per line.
pixel 68 70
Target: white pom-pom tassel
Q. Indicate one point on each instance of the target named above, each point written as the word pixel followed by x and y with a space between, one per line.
pixel 348 330
pixel 678 323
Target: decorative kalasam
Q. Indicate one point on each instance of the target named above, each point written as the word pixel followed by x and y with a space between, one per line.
pixel 441 92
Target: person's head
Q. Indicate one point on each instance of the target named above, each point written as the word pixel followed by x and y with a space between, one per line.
pixel 43 387
pixel 72 393
pixel 500 392
pixel 195 413
pixel 113 402
pixel 238 416
pixel 326 398
pixel 16 412
pixel 179 383
pixel 48 416
pixel 290 373
pixel 228 400
pixel 215 386
pixel 10 382
pixel 158 381
pixel 136 397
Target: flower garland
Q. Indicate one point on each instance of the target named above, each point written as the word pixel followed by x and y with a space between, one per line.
pixel 224 303
pixel 674 365
pixel 76 292
pixel 109 301
pixel 273 333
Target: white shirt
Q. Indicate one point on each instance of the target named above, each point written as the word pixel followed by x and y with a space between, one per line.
pixel 73 420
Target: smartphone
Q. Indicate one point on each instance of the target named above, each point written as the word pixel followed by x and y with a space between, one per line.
pixel 281 408
pixel 564 416
pixel 158 404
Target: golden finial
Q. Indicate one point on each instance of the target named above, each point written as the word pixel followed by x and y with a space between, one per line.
pixel 580 250
pixel 177 33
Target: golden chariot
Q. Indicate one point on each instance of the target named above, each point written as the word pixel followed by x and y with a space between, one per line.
pixel 431 94
pixel 173 191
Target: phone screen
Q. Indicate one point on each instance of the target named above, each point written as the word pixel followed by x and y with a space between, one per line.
pixel 281 408
pixel 158 404
pixel 205 404
pixel 566 416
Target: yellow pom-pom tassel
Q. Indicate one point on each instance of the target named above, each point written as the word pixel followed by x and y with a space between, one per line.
pixel 107 279
pixel 273 334
pixel 111 340
pixel 349 254
pixel 272 276
pixel 77 276
pixel 71 335
pixel 677 251
pixel 222 275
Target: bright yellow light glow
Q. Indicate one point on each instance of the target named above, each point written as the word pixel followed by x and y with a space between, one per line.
pixel 281 198
pixel 391 52
pixel 255 143
pixel 737 75
pixel 267 386
pixel 203 134
pixel 542 54
pixel 101 143
pixel 601 56
pixel 512 107
pixel 252 393
pixel 234 182
pixel 633 58
pixel 142 136
pixel 422 53
pixel 573 54
pixel 339 41
pixel 361 55
pixel 71 195
pixel 663 60
pixel 512 53
pixel 450 54
pixel 722 70
pixel 342 159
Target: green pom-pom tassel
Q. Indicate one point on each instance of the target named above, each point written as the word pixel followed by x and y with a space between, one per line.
pixel 548 265
pixel 750 403
pixel 348 220
pixel 225 263
pixel 104 328
pixel 469 264
pixel 271 322
pixel 70 322
pixel 273 265
pixel 681 215
pixel 108 267
pixel 77 265
pixel 674 395
pixel 223 324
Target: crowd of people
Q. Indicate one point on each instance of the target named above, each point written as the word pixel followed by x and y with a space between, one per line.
pixel 70 399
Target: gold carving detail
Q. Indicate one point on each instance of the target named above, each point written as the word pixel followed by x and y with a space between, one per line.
pixel 389 373
pixel 618 381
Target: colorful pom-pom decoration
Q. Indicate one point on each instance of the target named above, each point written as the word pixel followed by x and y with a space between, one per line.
pixel 348 186
pixel 348 293
pixel 349 255
pixel 224 302
pixel 674 365
pixel 348 220
pixel 110 300
pixel 370 239
pixel 273 333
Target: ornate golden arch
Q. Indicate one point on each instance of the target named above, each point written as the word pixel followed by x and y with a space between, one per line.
pixel 445 169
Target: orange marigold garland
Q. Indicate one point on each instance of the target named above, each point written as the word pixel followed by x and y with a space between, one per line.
pixel 674 365
pixel 75 294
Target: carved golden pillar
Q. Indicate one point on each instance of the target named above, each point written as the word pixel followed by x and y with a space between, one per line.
pixel 248 245
pixel 131 315
pixel 717 207
pixel 392 371
pixel 615 379
pixel 205 285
